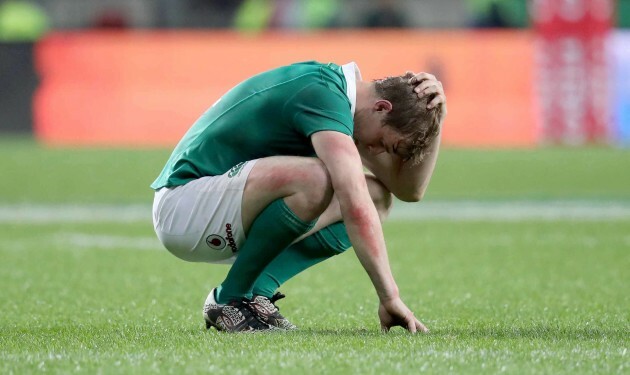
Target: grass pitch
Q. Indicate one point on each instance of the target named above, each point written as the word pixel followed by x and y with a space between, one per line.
pixel 520 296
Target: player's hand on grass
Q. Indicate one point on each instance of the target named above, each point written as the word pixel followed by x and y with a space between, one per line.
pixel 395 313
pixel 427 84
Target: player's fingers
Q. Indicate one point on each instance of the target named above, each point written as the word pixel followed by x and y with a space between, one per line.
pixel 429 82
pixel 421 77
pixel 421 327
pixel 384 328
pixel 428 88
pixel 431 89
pixel 439 99
pixel 410 322
pixel 411 325
pixel 423 86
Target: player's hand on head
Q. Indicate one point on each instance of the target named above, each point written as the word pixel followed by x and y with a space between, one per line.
pixel 427 84
pixel 395 313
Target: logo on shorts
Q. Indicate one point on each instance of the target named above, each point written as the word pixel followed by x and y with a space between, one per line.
pixel 230 238
pixel 236 169
pixel 216 242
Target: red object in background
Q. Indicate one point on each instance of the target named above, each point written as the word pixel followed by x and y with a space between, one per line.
pixel 147 88
pixel 572 69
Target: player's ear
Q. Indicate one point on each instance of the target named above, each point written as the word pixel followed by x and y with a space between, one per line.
pixel 383 105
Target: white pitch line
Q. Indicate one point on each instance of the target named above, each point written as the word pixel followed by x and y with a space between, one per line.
pixel 106 242
pixel 431 210
pixel 72 213
pixel 513 210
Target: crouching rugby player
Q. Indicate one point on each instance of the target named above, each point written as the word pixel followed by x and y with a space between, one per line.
pixel 271 180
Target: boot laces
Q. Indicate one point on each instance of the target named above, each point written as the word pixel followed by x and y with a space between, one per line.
pixel 249 312
pixel 276 297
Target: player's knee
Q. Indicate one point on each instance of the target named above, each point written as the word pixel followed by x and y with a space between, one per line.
pixel 381 196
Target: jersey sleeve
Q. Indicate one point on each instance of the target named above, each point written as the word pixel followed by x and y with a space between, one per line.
pixel 318 107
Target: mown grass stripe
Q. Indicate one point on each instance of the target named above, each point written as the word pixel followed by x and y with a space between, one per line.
pixel 433 210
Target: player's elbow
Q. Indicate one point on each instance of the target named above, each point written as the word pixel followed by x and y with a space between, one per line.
pixel 412 196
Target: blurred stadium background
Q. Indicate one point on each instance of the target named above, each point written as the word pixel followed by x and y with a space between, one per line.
pixel 528 73
pixel 522 238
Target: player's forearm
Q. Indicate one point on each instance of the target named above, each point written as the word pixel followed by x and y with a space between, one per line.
pixel 414 179
pixel 406 181
pixel 343 162
pixel 366 235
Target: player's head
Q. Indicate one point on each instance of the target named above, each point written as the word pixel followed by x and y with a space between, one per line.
pixel 408 115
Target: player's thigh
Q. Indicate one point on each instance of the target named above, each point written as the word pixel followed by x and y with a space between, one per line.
pixel 201 220
pixel 279 177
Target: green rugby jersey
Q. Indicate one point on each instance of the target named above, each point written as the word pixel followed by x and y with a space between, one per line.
pixel 272 113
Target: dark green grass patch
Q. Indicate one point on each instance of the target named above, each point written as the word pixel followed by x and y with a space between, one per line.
pixel 522 297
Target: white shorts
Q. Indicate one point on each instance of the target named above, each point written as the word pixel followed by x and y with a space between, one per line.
pixel 201 221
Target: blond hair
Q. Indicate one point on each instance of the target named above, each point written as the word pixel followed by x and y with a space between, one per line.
pixel 410 115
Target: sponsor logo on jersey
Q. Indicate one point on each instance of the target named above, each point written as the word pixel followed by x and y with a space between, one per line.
pixel 230 238
pixel 216 242
pixel 236 170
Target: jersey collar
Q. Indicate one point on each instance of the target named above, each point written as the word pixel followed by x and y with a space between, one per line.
pixel 352 74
